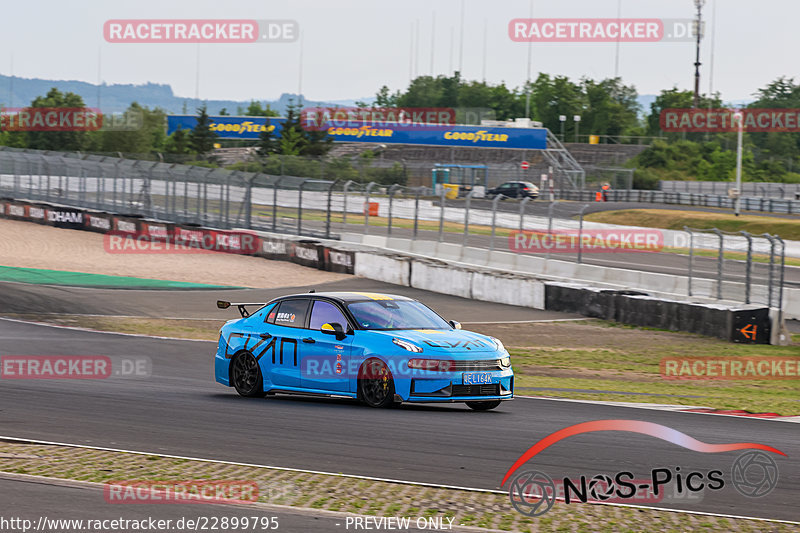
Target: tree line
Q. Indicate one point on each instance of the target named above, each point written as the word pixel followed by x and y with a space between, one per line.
pixel 607 108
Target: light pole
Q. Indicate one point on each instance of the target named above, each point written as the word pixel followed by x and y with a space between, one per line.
pixel 737 204
pixel 699 34
pixel 577 119
pixel 563 119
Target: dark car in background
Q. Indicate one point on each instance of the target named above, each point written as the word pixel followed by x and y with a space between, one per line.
pixel 515 189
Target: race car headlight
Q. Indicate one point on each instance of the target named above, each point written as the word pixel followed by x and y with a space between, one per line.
pixel 411 347
pixel 434 365
pixel 505 362
pixel 499 344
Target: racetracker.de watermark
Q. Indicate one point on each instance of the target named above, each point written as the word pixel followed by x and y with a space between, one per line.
pixel 587 241
pixel 180 242
pixel 148 491
pixel 50 119
pixel 597 30
pixel 729 120
pixel 200 31
pixel 730 368
pixel 74 367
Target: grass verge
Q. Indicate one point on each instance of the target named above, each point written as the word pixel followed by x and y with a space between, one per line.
pixel 786 228
pixel 366 497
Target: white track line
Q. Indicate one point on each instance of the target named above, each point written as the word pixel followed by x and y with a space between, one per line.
pixel 370 478
pixel 582 319
pixel 660 407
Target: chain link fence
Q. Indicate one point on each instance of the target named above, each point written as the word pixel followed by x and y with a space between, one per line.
pixel 733 267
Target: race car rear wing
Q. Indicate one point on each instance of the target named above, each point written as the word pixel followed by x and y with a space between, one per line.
pixel 222 304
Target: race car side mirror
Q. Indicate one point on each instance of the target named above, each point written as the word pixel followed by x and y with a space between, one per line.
pixel 455 325
pixel 334 329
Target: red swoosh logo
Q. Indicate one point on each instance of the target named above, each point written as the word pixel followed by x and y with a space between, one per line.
pixel 634 426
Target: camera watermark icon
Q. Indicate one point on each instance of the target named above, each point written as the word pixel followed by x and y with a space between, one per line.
pixel 754 474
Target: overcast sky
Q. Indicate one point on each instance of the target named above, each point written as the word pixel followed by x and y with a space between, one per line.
pixel 352 47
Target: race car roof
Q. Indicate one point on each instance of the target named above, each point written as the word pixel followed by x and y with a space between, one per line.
pixel 349 296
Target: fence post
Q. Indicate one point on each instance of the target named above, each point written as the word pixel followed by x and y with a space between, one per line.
pixel 300 206
pixel 580 232
pixel 227 206
pixel 691 258
pixel 522 205
pixel 466 220
pixel 720 259
pixel 494 219
pixel 771 276
pixel 392 189
pixel 417 193
pixel 780 284
pixel 328 214
pixel 441 215
pixel 275 203
pixel 347 185
pixel 369 187
pixel 748 266
pixel 248 201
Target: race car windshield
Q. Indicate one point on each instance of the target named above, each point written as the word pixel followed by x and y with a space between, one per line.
pixel 393 314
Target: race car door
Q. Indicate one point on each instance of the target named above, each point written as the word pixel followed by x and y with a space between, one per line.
pixel 288 319
pixel 324 358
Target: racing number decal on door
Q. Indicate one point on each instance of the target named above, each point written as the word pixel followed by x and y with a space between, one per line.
pixel 287 341
pixel 261 341
pixel 255 347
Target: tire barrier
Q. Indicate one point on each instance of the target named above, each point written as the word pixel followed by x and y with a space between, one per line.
pixel 275 247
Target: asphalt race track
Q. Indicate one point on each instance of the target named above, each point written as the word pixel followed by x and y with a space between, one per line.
pixel 23 298
pixel 179 410
pixel 25 499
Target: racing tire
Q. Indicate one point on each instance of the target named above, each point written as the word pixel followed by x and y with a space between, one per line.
pixel 483 405
pixel 246 376
pixel 375 384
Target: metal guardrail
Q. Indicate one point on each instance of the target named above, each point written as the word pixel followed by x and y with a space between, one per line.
pixel 326 208
pixel 764 204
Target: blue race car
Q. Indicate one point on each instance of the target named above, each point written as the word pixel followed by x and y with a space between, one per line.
pixel 379 348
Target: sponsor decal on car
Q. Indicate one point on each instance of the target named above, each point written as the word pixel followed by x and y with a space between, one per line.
pixel 285 317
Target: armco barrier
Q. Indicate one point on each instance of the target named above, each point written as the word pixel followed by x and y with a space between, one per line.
pixel 751 326
pixel 737 324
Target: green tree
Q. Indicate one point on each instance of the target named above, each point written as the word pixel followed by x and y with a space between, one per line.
pixel 551 97
pixel 676 99
pixel 54 140
pixel 201 139
pixel 610 107
pixel 268 143
pixel 178 142
pixel 385 98
pixel 139 130
pixel 255 110
pixel 293 140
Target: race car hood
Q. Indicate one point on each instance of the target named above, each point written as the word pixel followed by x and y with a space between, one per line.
pixel 445 341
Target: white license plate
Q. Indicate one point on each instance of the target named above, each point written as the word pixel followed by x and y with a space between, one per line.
pixel 477 378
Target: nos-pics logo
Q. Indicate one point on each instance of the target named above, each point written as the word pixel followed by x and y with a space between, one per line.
pixel 753 474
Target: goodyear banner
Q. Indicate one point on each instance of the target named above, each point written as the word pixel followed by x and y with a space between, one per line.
pixel 249 128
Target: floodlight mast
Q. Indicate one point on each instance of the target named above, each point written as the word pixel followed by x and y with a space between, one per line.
pixel 699 35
